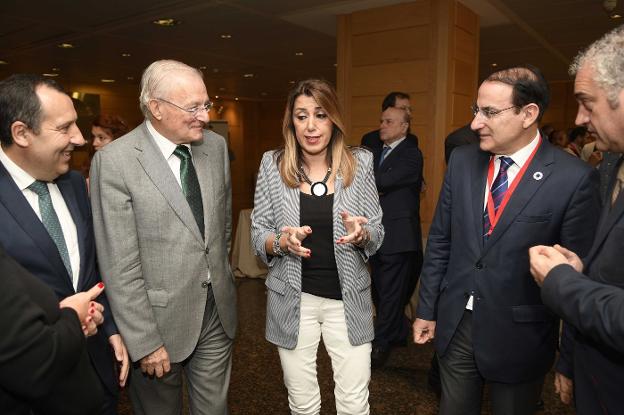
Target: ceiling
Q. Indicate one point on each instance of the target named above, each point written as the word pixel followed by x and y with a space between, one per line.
pixel 266 38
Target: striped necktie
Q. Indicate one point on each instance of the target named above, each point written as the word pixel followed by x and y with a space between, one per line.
pixel 51 221
pixel 384 153
pixel 499 189
pixel 190 185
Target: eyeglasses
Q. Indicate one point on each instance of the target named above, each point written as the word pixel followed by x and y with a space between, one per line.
pixel 487 112
pixel 192 111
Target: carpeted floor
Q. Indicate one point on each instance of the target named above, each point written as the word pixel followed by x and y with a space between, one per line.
pixel 256 388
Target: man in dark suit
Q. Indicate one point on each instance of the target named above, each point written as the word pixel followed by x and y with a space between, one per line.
pixel 398 168
pixel 589 294
pixel 371 140
pixel 460 137
pixel 498 199
pixel 45 218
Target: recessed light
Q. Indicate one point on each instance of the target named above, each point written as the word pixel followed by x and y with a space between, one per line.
pixel 298 53
pixel 130 78
pixel 248 75
pixel 236 98
pixel 50 75
pixel 56 69
pixel 203 68
pixel 494 65
pixel 264 94
pixel 215 70
pixel 66 45
pixel 126 55
pixel 216 96
pixel 3 62
pixel 226 36
pixel 108 81
pixel 291 82
pixel 222 89
pixel 615 16
pixel 166 22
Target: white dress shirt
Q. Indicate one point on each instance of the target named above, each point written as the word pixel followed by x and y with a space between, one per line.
pixel 393 145
pixel 23 180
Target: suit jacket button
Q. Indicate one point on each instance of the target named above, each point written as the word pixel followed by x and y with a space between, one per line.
pixel 204 284
pixel 207 250
pixel 479 265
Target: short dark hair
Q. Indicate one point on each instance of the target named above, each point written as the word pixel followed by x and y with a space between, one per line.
pixel 529 86
pixel 577 132
pixel 390 99
pixel 19 102
pixel 114 124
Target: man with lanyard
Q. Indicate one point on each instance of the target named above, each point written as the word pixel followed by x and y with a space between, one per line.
pixel 477 297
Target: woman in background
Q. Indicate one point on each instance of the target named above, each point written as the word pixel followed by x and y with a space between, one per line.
pixel 106 128
pixel 315 223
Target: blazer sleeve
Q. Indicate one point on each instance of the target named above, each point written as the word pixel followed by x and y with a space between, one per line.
pixel 263 220
pixel 41 344
pixel 370 204
pixel 119 258
pixel 595 309
pixel 437 252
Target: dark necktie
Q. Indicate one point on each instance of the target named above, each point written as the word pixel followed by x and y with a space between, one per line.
pixel 51 222
pixel 384 153
pixel 190 185
pixel 499 189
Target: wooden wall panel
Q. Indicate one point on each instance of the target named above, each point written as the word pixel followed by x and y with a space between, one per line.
pixel 383 78
pixel 391 17
pixel 383 47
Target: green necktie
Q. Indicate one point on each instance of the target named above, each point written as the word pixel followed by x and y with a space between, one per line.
pixel 51 221
pixel 190 185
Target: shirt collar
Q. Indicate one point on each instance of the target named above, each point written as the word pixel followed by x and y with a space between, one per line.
pixel 166 146
pixel 19 175
pixel 395 143
pixel 521 156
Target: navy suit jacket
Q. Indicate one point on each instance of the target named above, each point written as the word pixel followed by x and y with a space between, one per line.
pixel 23 237
pixel 594 304
pixel 514 334
pixel 399 180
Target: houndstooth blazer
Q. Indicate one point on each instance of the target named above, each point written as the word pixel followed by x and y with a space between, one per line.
pixel 277 205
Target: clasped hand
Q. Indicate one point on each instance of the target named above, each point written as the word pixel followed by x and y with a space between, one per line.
pixel 296 234
pixel 544 258
pixel 89 312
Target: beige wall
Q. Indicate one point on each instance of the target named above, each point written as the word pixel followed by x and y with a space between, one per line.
pixel 429 49
pixel 562 109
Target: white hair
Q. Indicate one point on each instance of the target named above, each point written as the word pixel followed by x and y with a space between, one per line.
pixel 156 81
pixel 606 57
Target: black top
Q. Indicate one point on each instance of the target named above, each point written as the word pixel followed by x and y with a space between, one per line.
pixel 319 272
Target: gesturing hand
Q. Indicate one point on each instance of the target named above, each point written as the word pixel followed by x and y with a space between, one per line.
pixel 156 363
pixel 294 237
pixel 356 234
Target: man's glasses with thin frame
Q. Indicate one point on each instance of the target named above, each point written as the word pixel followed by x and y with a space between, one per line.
pixel 487 112
pixel 192 111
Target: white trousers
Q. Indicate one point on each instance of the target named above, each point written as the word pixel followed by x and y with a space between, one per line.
pixel 350 364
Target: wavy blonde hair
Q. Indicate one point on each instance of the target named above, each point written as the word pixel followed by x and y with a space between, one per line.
pixel 290 158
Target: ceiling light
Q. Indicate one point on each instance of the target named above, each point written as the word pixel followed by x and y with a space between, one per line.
pixel 130 78
pixel 291 82
pixel 126 55
pixel 216 96
pixel 222 89
pixel 166 22
pixel 615 16
pixel 65 45
pixel 215 70
pixel 494 65
pixel 50 75
pixel 236 98
pixel 226 36
pixel 108 81
pixel 3 62
pixel 298 53
pixel 264 94
pixel 56 69
pixel 203 68
pixel 248 75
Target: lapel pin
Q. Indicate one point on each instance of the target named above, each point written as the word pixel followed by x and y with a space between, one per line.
pixel 538 175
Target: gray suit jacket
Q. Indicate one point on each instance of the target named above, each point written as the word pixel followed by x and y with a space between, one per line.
pixel 277 205
pixel 151 254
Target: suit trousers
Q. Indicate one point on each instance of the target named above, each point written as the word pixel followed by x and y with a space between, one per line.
pixel 394 279
pixel 462 384
pixel 207 371
pixel 350 364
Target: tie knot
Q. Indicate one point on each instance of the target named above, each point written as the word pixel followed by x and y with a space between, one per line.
pixel 39 187
pixel 182 152
pixel 505 163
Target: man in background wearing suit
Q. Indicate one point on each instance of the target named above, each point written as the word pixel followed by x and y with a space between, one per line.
pixel 161 199
pixel 371 140
pixel 477 297
pixel 460 137
pixel 45 220
pixel 398 169
pixel 589 294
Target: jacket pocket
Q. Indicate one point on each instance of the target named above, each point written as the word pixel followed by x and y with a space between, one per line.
pixel 534 218
pixel 531 313
pixel 158 298
pixel 276 285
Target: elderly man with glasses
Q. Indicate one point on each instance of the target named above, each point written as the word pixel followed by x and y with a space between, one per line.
pixel 501 196
pixel 161 200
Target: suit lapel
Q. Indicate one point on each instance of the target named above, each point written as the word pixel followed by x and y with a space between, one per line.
pixel 392 158
pixel 17 205
pixel 156 167
pixel 477 193
pixel 69 195
pixel 526 189
pixel 291 208
pixel 204 162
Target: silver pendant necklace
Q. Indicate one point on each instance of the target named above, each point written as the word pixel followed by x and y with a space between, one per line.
pixel 317 188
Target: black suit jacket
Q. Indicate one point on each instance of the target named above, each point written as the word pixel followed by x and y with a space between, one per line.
pixel 372 141
pixel 461 136
pixel 399 180
pixel 594 305
pixel 514 334
pixel 24 238
pixel 44 366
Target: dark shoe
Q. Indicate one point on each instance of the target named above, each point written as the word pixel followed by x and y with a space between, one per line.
pixel 379 356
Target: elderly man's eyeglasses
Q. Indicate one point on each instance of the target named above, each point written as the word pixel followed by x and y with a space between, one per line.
pixel 488 112
pixel 192 111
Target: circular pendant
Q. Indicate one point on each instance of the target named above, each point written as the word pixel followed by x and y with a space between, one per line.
pixel 318 189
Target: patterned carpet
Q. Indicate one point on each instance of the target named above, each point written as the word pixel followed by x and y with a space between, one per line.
pixel 400 388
